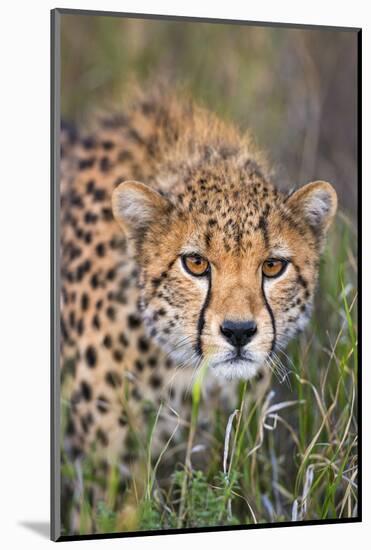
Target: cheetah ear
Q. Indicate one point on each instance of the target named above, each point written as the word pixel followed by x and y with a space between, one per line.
pixel 317 203
pixel 136 205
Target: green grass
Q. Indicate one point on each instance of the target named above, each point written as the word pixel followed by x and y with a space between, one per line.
pixel 290 456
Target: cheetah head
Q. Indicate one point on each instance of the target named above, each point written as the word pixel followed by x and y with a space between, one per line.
pixel 227 272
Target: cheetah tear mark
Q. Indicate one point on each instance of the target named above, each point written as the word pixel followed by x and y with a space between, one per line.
pixel 201 319
pixel 271 316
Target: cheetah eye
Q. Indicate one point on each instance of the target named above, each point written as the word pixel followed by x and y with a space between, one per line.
pixel 195 264
pixel 274 267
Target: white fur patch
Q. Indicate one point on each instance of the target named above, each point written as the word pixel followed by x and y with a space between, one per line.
pixel 133 207
pixel 317 206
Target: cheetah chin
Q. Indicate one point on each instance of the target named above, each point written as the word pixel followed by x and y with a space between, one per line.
pixel 236 369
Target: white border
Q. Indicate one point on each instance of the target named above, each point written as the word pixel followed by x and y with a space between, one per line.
pixel 24 230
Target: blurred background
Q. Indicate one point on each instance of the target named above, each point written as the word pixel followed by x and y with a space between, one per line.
pixel 296 90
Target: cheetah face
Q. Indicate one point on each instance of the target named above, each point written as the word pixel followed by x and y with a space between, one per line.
pixel 226 281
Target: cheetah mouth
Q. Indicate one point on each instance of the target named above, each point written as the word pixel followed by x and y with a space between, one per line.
pixel 239 355
pixel 233 359
pixel 236 365
pixel 238 359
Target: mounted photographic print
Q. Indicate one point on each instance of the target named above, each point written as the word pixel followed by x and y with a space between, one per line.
pixel 204 275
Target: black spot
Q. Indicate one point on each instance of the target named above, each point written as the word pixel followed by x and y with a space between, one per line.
pixel 89 418
pixel 94 280
pixel 260 376
pixel 102 404
pixel 134 321
pixel 107 214
pixel 108 145
pixel 100 249
pixel 123 419
pixel 135 136
pixel 152 361
pixel 156 281
pixel 84 301
pixel 135 394
pixel 96 322
pixel 103 466
pixel 91 356
pixel 123 340
pixel 148 108
pixel 84 164
pixel 86 266
pixel 75 252
pixel 75 452
pixel 90 217
pixel 120 297
pixel 90 185
pixel 88 143
pixel 117 120
pixel 118 355
pixel 99 194
pixel 113 379
pixel 80 272
pixel 155 381
pixel 139 365
pixel 70 428
pixel 105 164
pixel 124 156
pixel 111 274
pixel 148 408
pixel 143 344
pixel 86 391
pixel 129 458
pixel 64 330
pixel 71 319
pixel 102 437
pixel 111 313
pixel 84 424
pixel 165 436
pixel 107 341
pixel 80 327
pixel 75 398
pixel 87 237
pixel 302 281
pixel 262 225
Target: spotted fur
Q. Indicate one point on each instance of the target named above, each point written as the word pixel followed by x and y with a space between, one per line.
pixel 138 193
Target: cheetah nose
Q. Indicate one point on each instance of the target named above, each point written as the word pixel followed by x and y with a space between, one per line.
pixel 238 333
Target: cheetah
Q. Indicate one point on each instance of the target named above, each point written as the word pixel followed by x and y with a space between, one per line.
pixel 177 251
